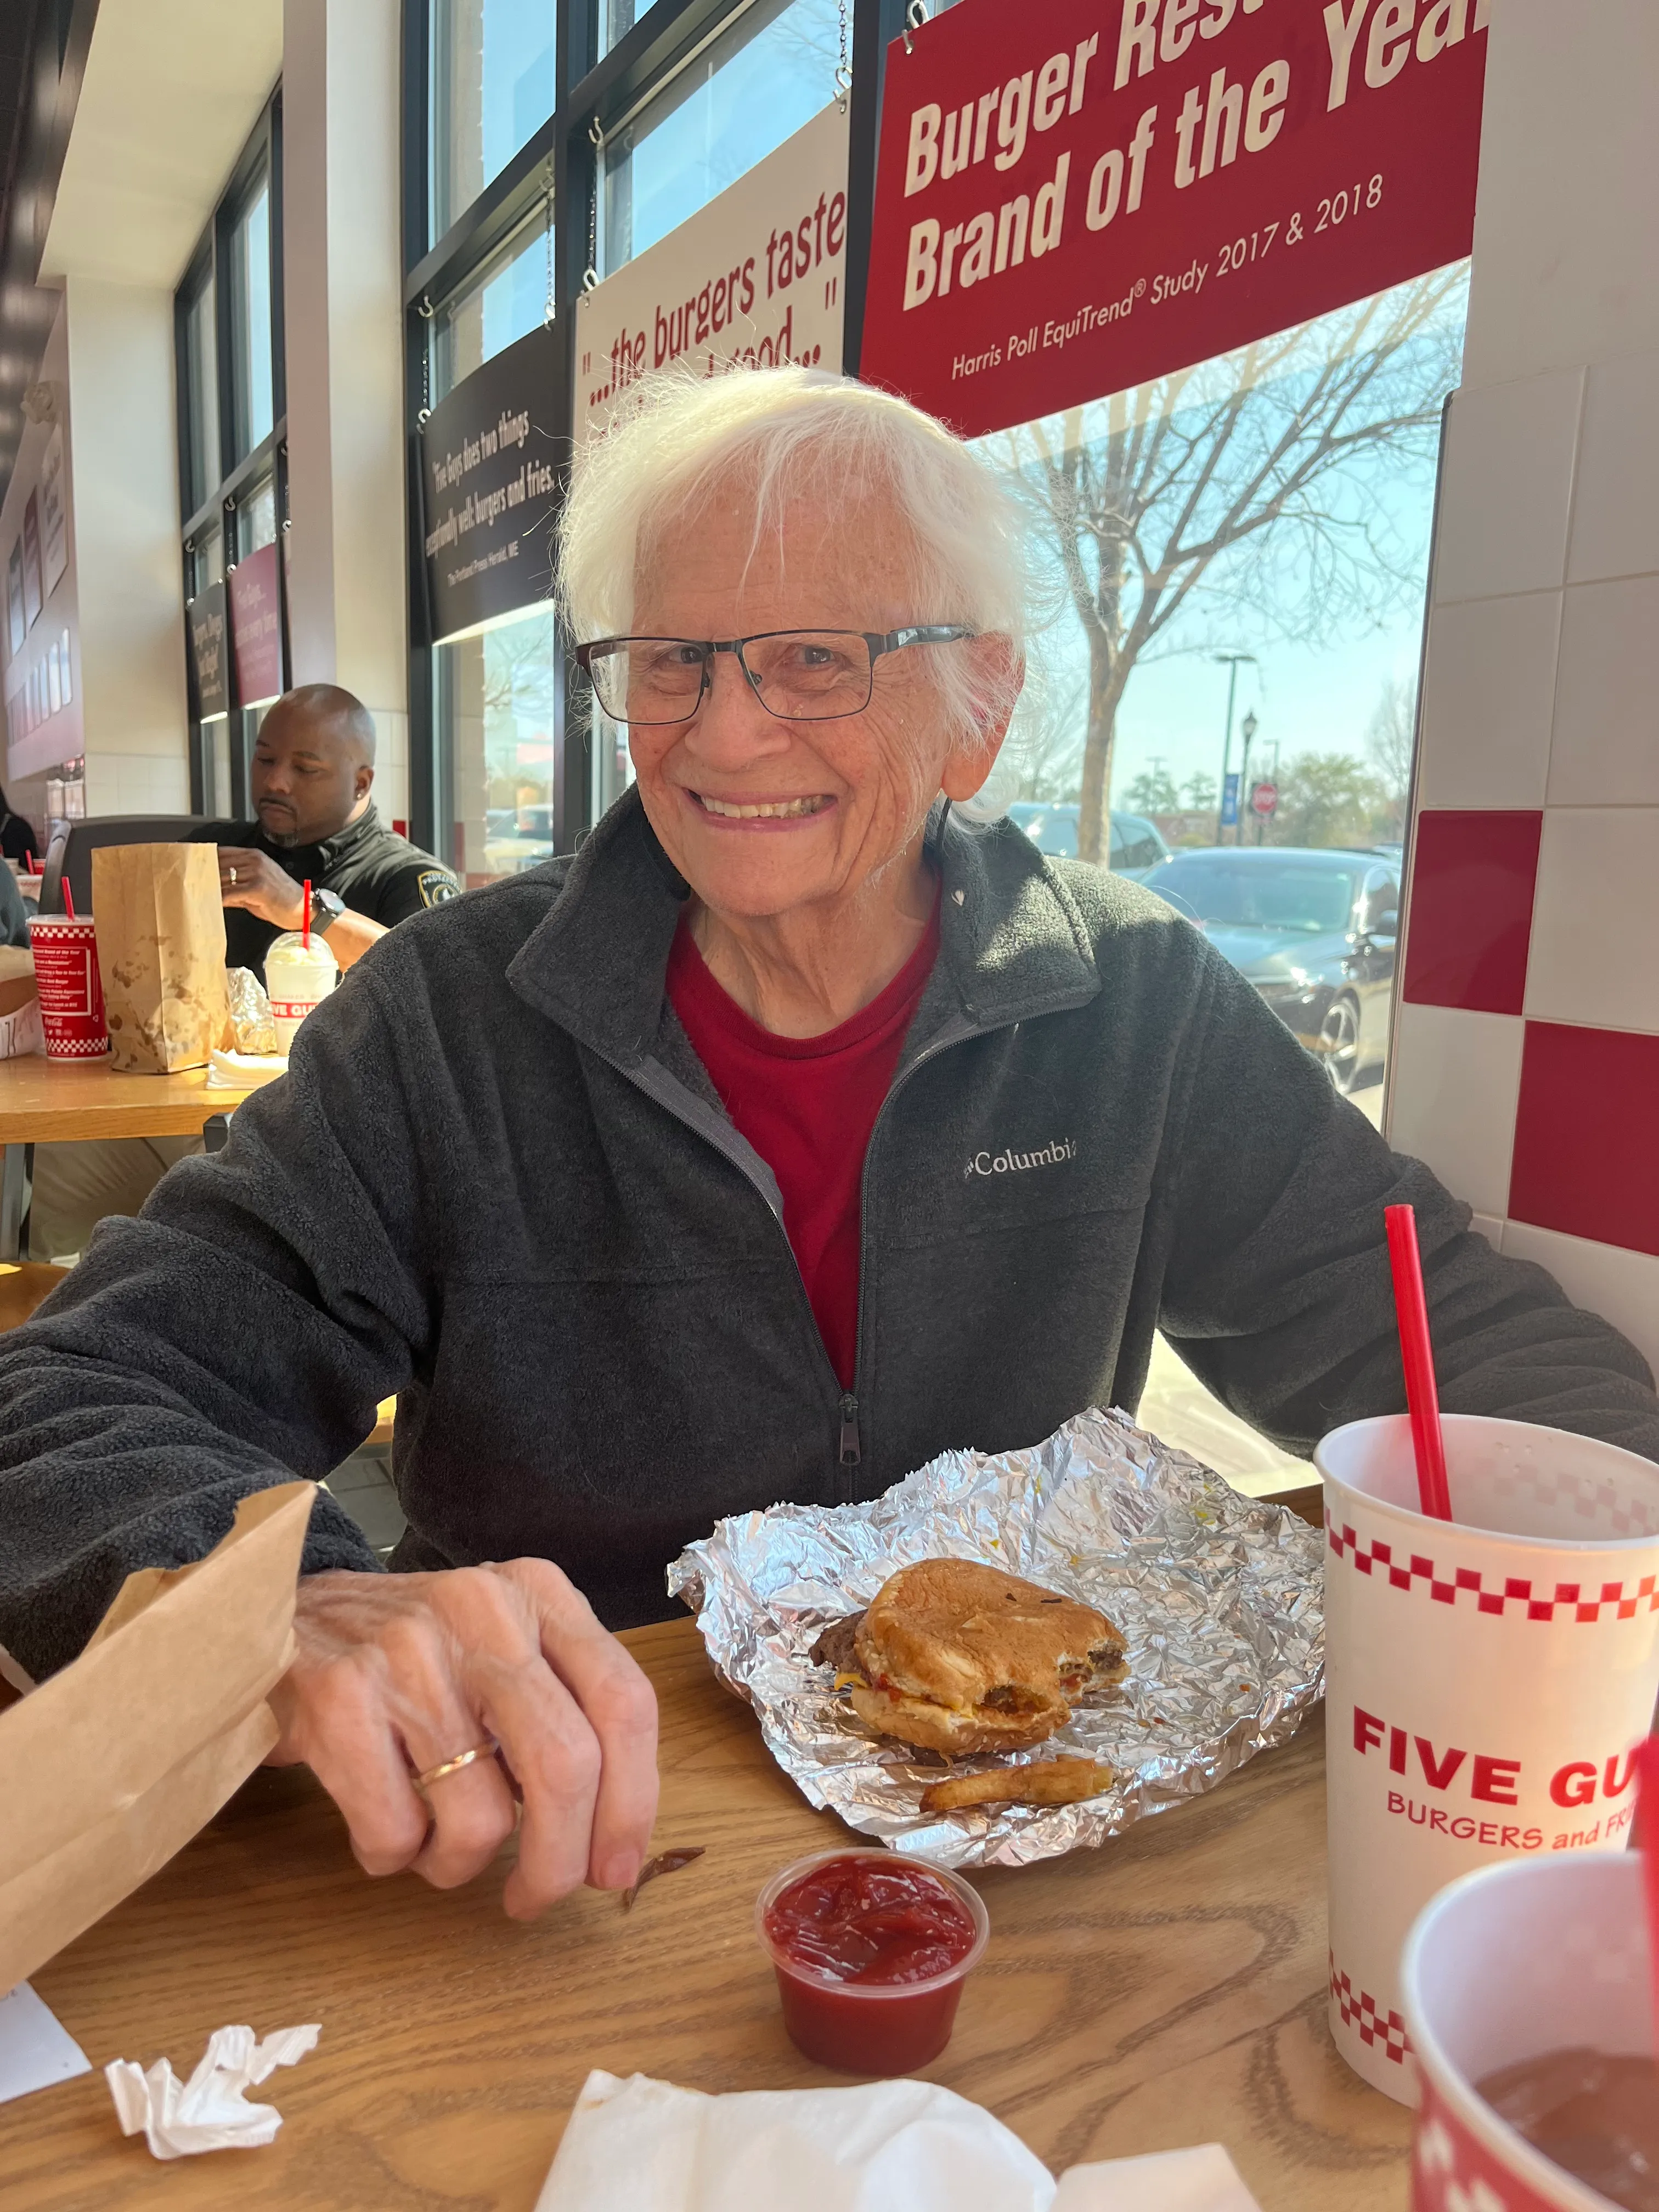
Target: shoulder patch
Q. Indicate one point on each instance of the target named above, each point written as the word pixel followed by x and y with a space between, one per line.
pixel 436 885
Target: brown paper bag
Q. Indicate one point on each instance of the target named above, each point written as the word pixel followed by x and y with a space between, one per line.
pixel 161 954
pixel 111 1766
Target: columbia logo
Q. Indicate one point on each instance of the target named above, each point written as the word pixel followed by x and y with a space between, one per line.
pixel 996 1163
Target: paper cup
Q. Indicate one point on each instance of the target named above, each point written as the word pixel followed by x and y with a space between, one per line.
pixel 1508 1965
pixel 71 991
pixel 1487 1681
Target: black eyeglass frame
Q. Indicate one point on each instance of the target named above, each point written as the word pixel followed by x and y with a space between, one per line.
pixel 878 642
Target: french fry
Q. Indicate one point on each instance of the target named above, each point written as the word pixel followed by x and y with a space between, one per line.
pixel 1055 1782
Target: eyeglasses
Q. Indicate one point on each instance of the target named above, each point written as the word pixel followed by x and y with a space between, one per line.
pixel 798 675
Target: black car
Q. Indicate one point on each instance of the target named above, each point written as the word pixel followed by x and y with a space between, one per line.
pixel 1314 930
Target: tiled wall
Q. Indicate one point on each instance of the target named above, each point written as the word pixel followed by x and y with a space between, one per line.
pixel 1526 1056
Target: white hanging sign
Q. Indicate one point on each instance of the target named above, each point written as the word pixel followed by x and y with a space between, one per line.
pixel 756 277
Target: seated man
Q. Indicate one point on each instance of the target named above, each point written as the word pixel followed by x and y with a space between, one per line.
pixel 647 1177
pixel 310 778
pixel 310 781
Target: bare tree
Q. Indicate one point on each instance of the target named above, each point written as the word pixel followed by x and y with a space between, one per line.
pixel 1249 478
pixel 1391 736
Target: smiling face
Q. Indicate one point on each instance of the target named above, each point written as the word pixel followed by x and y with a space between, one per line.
pixel 761 815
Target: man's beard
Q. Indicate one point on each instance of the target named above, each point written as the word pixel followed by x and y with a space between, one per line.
pixel 285 838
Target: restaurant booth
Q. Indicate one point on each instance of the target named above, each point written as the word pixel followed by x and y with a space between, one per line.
pixel 1321 347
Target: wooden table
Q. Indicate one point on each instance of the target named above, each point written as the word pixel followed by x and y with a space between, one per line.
pixel 1166 1990
pixel 61 1101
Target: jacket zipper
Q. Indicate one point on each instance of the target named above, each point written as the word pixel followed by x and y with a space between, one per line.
pixel 849 1450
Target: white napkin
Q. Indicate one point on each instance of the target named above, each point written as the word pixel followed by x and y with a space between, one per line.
pixel 903 2145
pixel 229 1069
pixel 35 2049
pixel 210 2113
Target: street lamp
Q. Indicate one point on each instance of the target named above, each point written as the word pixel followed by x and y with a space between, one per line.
pixel 1246 730
pixel 1230 661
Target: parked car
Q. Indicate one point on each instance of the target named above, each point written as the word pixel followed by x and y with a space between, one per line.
pixel 1136 845
pixel 1315 930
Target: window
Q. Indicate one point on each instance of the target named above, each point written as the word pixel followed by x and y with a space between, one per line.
pixel 495 714
pixel 753 87
pixel 232 457
pixel 198 364
pixel 492 66
pixel 505 302
pixel 250 351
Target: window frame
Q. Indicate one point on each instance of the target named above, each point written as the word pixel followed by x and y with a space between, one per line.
pixel 592 91
pixel 261 157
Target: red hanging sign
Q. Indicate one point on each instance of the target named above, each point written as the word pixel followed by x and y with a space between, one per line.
pixel 256 626
pixel 1073 199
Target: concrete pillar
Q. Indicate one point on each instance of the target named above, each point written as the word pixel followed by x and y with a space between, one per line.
pixel 125 492
pixel 342 269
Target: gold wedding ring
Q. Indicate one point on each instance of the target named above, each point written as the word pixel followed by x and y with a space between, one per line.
pixel 487 1749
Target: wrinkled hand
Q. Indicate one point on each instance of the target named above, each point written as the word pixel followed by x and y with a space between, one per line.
pixel 260 886
pixel 398 1673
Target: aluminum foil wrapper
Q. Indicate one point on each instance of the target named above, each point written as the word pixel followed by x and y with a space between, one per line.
pixel 1219 1599
pixel 253 1028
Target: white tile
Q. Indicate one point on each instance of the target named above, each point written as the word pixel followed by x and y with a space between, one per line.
pixel 1507 490
pixel 1605 751
pixel 1489 1226
pixel 1452 1098
pixel 1622 1286
pixel 1595 955
pixel 1488 693
pixel 1616 502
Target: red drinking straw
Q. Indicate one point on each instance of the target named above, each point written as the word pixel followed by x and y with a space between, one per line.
pixel 305 926
pixel 1647 1773
pixel 1417 1355
pixel 69 899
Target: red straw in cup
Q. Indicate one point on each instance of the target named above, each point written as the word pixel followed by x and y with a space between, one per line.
pixel 69 901
pixel 305 925
pixel 1417 1355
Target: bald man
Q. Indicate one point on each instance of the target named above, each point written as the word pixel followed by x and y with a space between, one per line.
pixel 310 780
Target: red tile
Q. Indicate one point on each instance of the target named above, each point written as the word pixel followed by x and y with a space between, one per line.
pixel 1585 1160
pixel 1470 908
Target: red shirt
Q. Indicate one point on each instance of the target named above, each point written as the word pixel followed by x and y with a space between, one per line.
pixel 807 1105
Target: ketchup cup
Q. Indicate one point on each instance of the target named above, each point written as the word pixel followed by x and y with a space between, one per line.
pixel 868 2027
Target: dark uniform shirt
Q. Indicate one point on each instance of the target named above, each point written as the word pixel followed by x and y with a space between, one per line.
pixel 374 871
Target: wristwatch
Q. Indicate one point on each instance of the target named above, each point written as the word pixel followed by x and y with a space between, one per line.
pixel 326 907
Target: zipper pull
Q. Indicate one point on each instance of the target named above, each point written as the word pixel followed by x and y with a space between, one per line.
pixel 850 1454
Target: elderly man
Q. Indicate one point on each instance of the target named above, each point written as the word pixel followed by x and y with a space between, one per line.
pixel 652 1180
pixel 310 781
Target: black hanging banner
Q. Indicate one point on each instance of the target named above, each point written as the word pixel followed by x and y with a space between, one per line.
pixel 490 481
pixel 205 617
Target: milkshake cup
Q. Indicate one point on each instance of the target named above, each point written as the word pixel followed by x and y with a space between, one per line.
pixel 1487 1681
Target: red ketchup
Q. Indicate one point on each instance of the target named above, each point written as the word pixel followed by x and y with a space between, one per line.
pixel 871 1952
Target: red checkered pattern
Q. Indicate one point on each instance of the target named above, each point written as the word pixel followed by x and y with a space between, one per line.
pixel 1615 1513
pixel 1382 2031
pixel 1585 1600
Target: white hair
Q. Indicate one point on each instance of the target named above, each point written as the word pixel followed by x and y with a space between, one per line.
pixel 781 433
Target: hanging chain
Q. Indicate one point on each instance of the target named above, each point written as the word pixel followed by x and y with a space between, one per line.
pixel 915 16
pixel 548 306
pixel 424 311
pixel 591 274
pixel 843 73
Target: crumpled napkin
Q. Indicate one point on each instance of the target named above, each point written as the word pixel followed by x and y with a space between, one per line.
pixel 903 2145
pixel 210 2113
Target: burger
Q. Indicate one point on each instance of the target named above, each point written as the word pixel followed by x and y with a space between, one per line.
pixel 954 1656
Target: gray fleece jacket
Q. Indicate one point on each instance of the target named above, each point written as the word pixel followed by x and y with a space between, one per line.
pixel 498 1182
